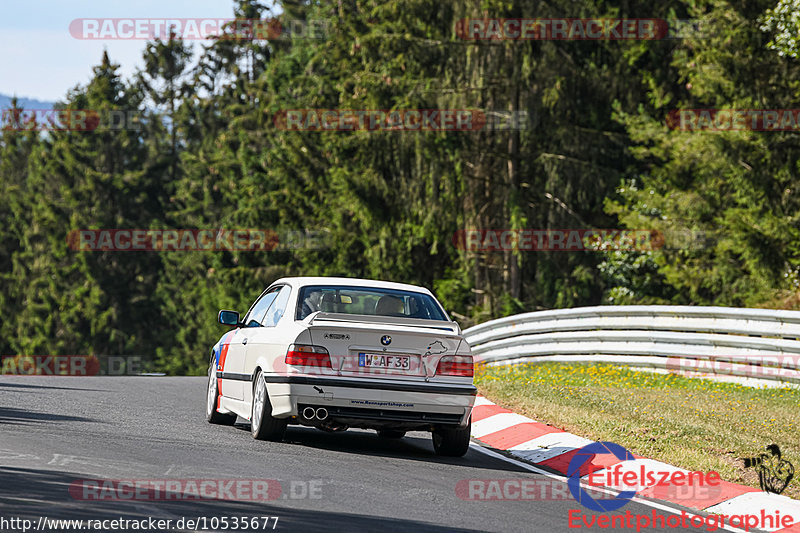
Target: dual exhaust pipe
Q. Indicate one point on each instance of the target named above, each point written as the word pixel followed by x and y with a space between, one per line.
pixel 320 413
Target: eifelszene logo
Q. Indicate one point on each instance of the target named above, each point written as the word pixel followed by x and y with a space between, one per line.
pixel 586 454
pixel 627 477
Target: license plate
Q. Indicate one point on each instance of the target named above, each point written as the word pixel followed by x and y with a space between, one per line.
pixel 372 360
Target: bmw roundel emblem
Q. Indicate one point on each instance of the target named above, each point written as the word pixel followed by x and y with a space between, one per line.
pixel 386 340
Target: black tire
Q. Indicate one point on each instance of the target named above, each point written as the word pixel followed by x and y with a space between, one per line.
pixel 391 433
pixel 451 442
pixel 212 400
pixel 263 426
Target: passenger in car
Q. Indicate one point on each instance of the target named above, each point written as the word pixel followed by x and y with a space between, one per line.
pixel 389 305
pixel 311 303
pixel 329 303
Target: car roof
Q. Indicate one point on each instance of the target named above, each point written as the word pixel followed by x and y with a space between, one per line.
pixel 350 282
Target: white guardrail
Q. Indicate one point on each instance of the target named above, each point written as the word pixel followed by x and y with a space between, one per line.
pixel 745 343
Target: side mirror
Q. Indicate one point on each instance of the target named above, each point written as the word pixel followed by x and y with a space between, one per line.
pixel 228 318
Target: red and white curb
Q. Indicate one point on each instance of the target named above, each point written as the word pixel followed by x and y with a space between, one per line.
pixel 549 447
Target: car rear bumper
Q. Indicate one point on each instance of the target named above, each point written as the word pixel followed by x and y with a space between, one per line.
pixel 372 403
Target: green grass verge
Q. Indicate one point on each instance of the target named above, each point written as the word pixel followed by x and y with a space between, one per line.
pixel 695 424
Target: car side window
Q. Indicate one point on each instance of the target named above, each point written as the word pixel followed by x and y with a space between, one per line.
pixel 256 315
pixel 278 307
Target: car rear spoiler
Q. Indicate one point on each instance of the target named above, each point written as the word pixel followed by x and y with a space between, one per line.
pixel 319 316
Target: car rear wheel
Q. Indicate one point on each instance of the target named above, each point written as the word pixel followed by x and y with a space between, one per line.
pixel 391 433
pixel 263 426
pixel 451 442
pixel 212 400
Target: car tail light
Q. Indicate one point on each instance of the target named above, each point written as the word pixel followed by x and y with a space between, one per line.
pixel 455 365
pixel 307 355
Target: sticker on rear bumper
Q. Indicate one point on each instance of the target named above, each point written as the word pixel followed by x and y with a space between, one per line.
pixel 380 404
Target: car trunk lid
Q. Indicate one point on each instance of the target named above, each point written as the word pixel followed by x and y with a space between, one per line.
pixel 392 347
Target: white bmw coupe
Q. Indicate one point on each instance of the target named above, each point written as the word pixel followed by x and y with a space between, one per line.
pixel 335 353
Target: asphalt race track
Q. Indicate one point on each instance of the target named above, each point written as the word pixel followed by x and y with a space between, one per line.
pixel 56 430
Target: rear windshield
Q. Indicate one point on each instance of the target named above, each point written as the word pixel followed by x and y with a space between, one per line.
pixel 367 301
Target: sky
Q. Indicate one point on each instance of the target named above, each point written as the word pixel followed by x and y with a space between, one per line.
pixel 41 59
